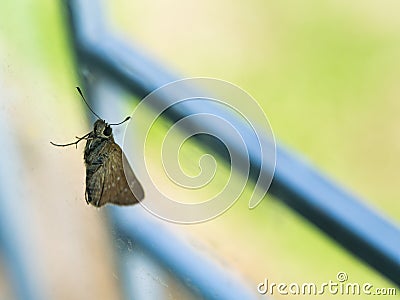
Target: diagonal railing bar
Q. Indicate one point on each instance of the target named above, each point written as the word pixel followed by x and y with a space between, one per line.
pixel 342 216
pixel 203 276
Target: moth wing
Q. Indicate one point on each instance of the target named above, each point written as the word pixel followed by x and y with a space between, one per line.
pixel 117 184
pixel 93 193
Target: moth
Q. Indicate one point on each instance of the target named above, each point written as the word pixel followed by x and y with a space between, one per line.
pixel 106 181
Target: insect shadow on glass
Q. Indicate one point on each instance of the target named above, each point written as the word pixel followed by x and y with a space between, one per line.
pixel 106 181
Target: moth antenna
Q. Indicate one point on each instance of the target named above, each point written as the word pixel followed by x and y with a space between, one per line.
pixel 126 119
pixel 83 97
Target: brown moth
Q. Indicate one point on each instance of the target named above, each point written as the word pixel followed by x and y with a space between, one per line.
pixel 106 181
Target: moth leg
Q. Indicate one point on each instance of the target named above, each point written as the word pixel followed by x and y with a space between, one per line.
pixel 100 160
pixel 95 166
pixel 85 137
pixel 86 197
pixel 101 195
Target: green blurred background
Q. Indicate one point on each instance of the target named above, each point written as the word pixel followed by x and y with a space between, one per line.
pixel 325 72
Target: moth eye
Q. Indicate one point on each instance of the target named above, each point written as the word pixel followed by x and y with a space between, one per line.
pixel 107 131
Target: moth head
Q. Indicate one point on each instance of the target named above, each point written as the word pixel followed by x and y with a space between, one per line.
pixel 102 129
